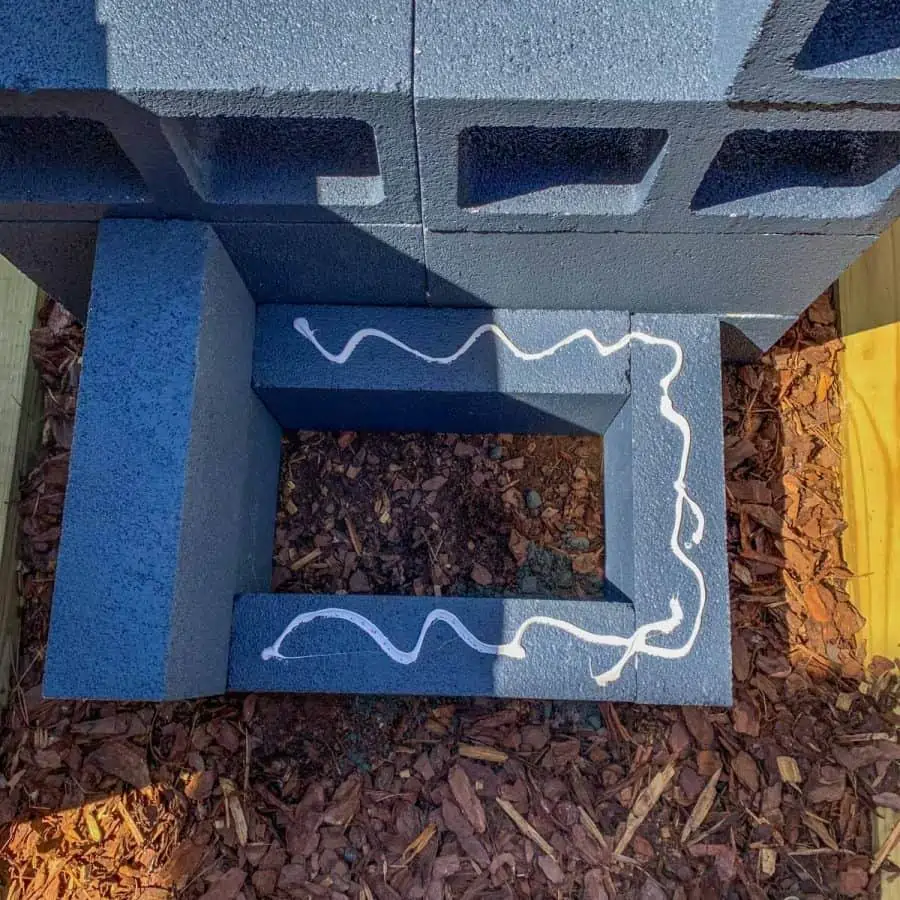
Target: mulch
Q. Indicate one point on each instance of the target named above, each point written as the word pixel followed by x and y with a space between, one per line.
pixel 364 797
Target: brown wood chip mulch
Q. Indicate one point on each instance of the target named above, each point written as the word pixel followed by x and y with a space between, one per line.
pixel 363 798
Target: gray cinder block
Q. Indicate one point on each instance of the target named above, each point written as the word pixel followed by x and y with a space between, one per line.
pixel 172 484
pixel 340 655
pixel 377 385
pixel 644 273
pixel 332 264
pixel 699 671
pixel 661 633
pixel 606 166
pixel 58 256
pixel 824 52
pixel 292 109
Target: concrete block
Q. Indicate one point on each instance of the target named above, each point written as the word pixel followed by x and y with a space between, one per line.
pixel 824 52
pixel 643 273
pixel 299 110
pixel 675 51
pixel 559 116
pixel 172 458
pixel 57 256
pixel 330 264
pixel 604 166
pixel 743 337
pixel 339 655
pixel 679 546
pixel 377 385
pixel 67 162
pixel 661 633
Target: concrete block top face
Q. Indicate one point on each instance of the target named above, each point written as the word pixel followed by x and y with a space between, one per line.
pixel 616 50
pixel 208 45
pixel 824 51
pixel 64 160
pixel 450 351
pixel 801 174
pixel 482 646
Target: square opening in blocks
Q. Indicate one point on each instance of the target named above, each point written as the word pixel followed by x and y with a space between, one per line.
pixel 281 161
pixel 801 174
pixel 58 159
pixel 854 39
pixel 440 514
pixel 558 171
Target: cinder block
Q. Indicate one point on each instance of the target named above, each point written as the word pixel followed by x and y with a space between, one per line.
pixel 559 116
pixel 272 109
pixel 643 273
pixel 661 633
pixel 376 385
pixel 696 573
pixel 605 166
pixel 173 460
pixel 824 52
pixel 330 264
pixel 58 256
pixel 744 336
pixel 340 656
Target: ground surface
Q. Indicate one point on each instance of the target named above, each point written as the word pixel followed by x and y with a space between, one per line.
pixel 309 796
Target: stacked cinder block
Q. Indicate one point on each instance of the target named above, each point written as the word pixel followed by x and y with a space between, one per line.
pixel 641 157
pixel 708 156
pixel 228 171
pixel 288 124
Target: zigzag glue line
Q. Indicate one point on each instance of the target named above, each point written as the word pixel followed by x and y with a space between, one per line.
pixel 636 644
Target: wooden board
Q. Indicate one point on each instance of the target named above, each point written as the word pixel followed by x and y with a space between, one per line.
pixel 869 299
pixel 20 430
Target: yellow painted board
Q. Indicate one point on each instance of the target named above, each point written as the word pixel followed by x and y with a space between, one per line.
pixel 869 298
pixel 20 428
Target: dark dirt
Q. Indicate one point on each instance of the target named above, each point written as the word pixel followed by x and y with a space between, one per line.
pixel 440 514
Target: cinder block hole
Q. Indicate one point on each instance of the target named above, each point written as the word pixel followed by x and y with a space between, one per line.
pixel 575 171
pixel 64 160
pixel 854 39
pixel 801 174
pixel 306 162
pixel 440 514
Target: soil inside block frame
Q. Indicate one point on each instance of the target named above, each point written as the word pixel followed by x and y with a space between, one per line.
pixel 440 514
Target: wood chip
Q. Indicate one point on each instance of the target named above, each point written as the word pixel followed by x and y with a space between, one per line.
pixel 788 770
pixel 702 807
pixel 354 537
pixel 591 827
pixel 418 844
pixel 304 561
pixel 644 802
pixel 768 859
pixel 234 810
pixel 485 754
pixel 820 829
pixel 527 829
pixel 469 802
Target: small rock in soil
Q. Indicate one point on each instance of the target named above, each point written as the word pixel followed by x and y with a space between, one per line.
pixel 533 499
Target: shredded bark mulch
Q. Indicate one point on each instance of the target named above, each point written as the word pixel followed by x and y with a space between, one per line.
pixel 364 798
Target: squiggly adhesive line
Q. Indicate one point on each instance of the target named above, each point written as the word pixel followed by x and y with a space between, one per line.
pixel 639 642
